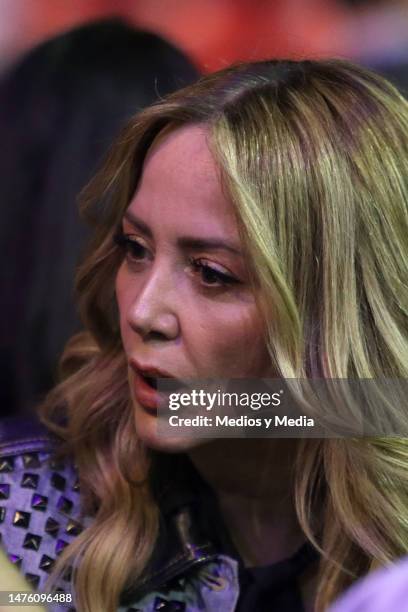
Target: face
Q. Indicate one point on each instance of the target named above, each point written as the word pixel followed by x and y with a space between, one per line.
pixel 186 306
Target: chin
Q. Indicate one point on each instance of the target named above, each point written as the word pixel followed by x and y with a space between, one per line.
pixel 146 423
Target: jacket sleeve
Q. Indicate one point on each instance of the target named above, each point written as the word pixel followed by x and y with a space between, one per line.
pixel 382 591
pixel 40 510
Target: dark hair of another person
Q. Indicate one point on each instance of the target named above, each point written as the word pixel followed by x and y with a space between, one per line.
pixel 60 108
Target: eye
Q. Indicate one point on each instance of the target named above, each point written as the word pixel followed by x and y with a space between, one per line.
pixel 133 248
pixel 211 276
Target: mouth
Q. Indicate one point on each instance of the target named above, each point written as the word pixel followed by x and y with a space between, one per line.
pixel 170 384
pixel 150 380
pixel 145 386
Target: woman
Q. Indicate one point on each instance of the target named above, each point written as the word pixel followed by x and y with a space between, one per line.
pixel 253 224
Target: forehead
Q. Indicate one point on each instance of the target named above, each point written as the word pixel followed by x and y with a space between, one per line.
pixel 180 178
pixel 180 149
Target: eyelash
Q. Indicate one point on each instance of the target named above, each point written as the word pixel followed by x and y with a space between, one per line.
pixel 129 246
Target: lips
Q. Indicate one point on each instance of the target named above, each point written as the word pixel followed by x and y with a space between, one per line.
pixel 145 385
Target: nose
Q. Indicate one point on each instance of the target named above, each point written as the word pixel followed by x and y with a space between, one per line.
pixel 153 310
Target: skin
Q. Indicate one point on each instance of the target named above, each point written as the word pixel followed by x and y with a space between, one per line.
pixel 178 317
pixel 175 315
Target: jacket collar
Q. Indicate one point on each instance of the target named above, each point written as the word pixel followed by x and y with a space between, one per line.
pixel 192 531
pixel 185 534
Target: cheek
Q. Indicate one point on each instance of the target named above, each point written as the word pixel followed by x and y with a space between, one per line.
pixel 119 287
pixel 123 301
pixel 234 344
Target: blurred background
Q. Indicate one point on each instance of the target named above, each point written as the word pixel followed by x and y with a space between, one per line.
pixel 71 74
pixel 215 33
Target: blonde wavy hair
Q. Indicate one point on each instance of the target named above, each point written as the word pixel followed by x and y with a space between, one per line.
pixel 314 155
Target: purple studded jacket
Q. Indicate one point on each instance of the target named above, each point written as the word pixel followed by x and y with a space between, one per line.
pixel 40 515
pixel 194 566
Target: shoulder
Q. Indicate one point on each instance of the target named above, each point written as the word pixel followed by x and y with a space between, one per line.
pixel 40 510
pixel 384 590
pixel 23 434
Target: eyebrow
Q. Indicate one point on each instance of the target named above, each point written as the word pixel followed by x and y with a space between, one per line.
pixel 185 242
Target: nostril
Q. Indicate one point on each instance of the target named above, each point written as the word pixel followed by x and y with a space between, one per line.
pixel 156 335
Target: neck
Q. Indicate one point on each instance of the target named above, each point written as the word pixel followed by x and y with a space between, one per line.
pixel 253 482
